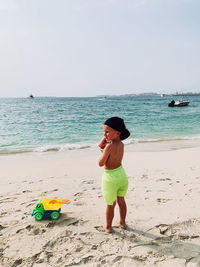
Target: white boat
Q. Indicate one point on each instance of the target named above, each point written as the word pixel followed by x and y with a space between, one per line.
pixel 178 103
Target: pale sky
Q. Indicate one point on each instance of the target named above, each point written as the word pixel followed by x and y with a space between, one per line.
pixel 96 47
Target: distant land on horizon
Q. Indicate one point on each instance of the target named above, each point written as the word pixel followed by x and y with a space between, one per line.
pixel 115 95
pixel 153 93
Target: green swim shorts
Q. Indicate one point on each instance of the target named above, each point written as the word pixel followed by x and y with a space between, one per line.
pixel 114 183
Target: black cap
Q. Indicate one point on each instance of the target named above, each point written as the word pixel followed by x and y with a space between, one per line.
pixel 118 124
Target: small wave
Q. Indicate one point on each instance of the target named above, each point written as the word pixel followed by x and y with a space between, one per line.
pixel 161 139
pixel 51 148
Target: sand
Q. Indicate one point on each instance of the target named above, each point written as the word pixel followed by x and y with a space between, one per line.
pixel 163 219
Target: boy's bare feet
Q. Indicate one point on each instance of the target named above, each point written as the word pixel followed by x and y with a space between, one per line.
pixel 122 225
pixel 107 230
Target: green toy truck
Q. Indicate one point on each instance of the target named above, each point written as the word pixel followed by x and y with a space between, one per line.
pixel 48 208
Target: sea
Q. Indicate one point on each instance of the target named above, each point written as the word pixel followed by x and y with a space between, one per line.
pixel 43 124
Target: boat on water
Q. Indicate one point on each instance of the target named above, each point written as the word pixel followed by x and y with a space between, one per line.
pixel 31 96
pixel 178 103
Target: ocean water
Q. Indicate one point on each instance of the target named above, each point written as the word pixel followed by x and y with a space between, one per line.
pixel 58 123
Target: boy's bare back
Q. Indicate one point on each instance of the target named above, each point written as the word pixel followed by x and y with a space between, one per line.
pixel 112 149
pixel 114 159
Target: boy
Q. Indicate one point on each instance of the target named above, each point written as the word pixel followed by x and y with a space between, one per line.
pixel 114 180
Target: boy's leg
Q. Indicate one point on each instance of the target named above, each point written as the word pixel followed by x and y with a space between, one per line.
pixel 109 217
pixel 122 210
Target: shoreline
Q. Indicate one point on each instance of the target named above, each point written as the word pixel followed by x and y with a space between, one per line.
pixel 135 146
pixel 165 145
pixel 163 210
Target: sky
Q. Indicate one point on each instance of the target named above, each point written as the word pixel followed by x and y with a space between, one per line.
pixel 98 47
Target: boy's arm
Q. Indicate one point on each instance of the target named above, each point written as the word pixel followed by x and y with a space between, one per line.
pixel 105 155
pixel 102 143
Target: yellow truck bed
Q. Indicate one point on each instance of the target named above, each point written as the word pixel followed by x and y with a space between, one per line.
pixel 52 203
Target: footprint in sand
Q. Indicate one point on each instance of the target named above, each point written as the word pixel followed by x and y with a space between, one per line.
pixel 68 233
pixel 2 214
pixel 54 190
pixel 48 192
pixel 162 200
pixel 78 194
pixel 7 200
pixel 144 176
pixel 51 224
pixel 78 203
pixel 19 230
pixel 31 204
pixel 17 262
pixel 78 249
pixel 26 191
pixel 36 231
pixel 88 182
pixel 163 179
pixel 99 228
pixel 50 244
pixel 2 227
pixel 116 259
pixel 43 193
pixel 28 227
pixel 94 247
pixel 32 230
pixel 64 222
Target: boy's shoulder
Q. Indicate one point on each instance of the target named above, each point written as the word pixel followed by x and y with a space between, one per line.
pixel 113 145
pixel 109 145
pixel 117 144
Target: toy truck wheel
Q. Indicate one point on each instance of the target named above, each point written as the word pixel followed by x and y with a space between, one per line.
pixel 38 216
pixel 55 215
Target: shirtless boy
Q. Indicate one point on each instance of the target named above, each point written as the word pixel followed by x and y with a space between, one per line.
pixel 114 180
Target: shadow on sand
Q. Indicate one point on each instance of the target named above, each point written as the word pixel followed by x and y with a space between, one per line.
pixel 172 245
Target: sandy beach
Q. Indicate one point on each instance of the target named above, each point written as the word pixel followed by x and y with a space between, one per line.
pixel 163 219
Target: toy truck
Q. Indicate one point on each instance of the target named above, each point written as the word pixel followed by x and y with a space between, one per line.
pixel 48 207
